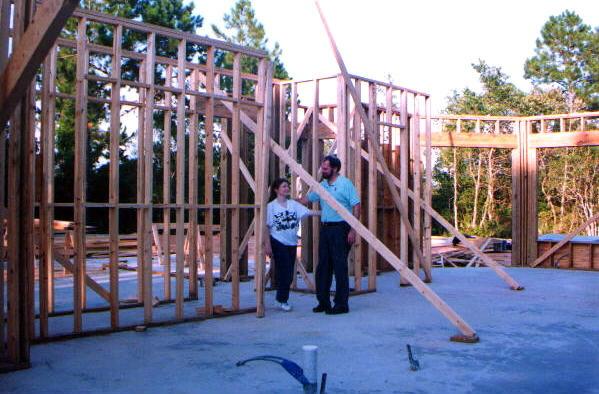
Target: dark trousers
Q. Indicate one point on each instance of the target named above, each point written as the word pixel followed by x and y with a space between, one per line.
pixel 332 258
pixel 284 258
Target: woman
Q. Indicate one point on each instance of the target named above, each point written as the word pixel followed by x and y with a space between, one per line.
pixel 283 217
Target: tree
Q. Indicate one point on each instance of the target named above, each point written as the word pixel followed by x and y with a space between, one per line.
pixel 567 55
pixel 478 180
pixel 243 28
pixel 168 13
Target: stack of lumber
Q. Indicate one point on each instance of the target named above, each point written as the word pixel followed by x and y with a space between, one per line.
pixel 445 254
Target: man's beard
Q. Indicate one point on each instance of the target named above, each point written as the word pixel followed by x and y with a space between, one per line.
pixel 326 176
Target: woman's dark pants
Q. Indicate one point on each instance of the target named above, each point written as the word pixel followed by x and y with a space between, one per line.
pixel 284 258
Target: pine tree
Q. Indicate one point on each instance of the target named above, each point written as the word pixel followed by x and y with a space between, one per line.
pixel 173 14
pixel 243 28
pixel 567 55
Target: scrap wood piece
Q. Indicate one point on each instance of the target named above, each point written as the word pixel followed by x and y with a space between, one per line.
pixel 305 275
pixel 244 243
pixel 92 284
pixel 566 239
pixel 379 246
pixel 482 248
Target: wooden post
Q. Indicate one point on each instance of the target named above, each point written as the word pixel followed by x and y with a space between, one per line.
pixel 531 200
pixel 282 101
pixel 342 134
pixel 225 181
pixel 372 183
pixel 404 176
pixel 264 122
pixel 46 261
pixel 208 184
pixel 428 192
pixel 315 155
pixel 140 182
pixel 235 181
pixel 517 192
pixel 180 181
pixel 20 217
pixel 80 173
pixel 166 188
pixel 192 231
pixel 148 176
pixel 5 16
pixel 357 172
pixel 417 176
pixel 115 143
pixel 293 136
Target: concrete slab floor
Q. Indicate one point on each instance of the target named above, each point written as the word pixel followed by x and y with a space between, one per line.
pixel 544 339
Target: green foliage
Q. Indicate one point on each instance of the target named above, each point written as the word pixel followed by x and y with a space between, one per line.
pixel 567 55
pixel 483 176
pixel 243 28
pixel 168 13
pixel 565 73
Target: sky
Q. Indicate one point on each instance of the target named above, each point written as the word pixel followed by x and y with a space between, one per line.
pixel 424 45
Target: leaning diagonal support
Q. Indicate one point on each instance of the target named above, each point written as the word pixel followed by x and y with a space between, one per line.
pixel 380 247
pixel 566 239
pixel 375 143
pixel 34 45
pixel 389 177
pixel 489 262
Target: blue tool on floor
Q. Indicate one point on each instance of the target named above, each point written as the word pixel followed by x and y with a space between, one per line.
pixel 293 369
pixel 414 364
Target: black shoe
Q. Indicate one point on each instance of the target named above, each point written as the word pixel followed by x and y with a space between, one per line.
pixel 321 308
pixel 337 310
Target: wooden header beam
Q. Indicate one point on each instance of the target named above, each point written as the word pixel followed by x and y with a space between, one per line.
pixel 563 139
pixel 164 31
pixel 472 140
pixel 510 141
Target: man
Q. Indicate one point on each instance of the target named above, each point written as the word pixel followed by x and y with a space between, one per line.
pixel 336 237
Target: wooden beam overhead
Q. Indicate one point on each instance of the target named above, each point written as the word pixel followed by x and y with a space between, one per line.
pixel 563 140
pixel 38 39
pixel 471 140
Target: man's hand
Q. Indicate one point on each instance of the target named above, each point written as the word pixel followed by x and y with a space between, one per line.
pixel 351 237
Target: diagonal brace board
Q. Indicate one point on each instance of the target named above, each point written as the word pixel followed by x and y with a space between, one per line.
pixel 374 141
pixel 564 241
pixel 380 247
pixel 33 47
pixel 441 220
pixel 69 266
pixel 389 177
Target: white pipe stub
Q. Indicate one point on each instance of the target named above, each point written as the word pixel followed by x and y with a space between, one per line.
pixel 311 362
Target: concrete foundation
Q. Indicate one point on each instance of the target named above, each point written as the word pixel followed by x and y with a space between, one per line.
pixel 544 339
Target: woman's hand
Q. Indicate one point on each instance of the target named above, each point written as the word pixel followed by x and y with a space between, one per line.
pixel 268 250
